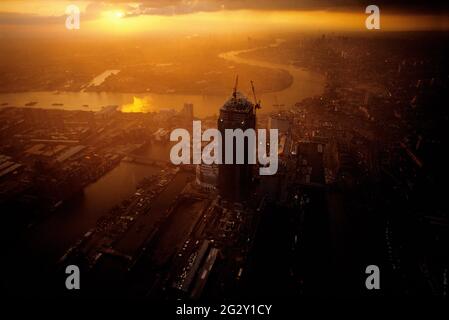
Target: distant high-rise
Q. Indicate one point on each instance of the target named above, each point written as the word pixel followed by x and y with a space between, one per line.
pixel 207 175
pixel 280 121
pixel 234 179
pixel 187 111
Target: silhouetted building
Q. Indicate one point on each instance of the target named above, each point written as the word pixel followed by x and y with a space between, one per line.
pixel 234 179
pixel 280 121
pixel 207 175
pixel 187 111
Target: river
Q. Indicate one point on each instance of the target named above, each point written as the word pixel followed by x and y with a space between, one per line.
pixel 54 235
pixel 50 238
pixel 305 84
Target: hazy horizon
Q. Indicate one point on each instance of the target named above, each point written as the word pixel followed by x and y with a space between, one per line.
pixel 19 18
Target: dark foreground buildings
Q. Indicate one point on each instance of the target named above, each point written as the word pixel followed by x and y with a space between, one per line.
pixel 234 179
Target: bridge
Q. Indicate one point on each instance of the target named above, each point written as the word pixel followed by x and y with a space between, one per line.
pixel 132 158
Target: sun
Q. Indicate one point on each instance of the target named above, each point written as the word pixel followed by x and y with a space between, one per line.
pixel 113 14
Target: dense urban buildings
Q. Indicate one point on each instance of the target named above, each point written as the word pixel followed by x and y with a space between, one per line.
pixel 358 170
pixel 86 178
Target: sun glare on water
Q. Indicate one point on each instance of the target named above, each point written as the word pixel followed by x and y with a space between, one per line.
pixel 138 105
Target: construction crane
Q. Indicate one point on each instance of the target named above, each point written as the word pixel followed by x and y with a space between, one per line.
pixel 256 102
pixel 234 92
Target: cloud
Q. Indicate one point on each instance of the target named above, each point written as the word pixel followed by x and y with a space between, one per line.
pixel 91 12
pixel 12 18
pixel 178 7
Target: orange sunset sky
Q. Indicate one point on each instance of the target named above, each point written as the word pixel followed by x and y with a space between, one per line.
pixel 198 16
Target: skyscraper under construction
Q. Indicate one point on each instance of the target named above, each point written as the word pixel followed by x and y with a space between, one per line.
pixel 234 179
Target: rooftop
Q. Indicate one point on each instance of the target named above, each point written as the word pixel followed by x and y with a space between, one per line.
pixel 238 103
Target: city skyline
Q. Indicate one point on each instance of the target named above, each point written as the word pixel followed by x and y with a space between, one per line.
pixel 200 155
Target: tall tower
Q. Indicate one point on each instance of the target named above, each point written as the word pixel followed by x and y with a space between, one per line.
pixel 234 179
